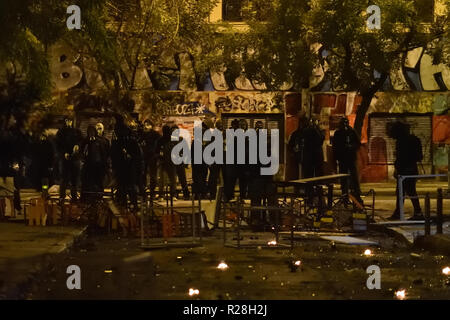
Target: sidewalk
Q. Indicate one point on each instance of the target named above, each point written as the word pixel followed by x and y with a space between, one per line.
pixel 388 188
pixel 25 250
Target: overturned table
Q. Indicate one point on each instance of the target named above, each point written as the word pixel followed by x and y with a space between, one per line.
pixel 318 183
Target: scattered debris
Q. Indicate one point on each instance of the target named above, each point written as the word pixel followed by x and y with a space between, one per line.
pixel 350 240
pixel 193 292
pixel 400 294
pixel 222 266
pixel 137 258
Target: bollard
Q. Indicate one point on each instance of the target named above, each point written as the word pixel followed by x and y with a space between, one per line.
pixel 224 221
pixel 291 209
pixel 240 207
pixel 330 196
pixel 427 215
pixel 439 211
pixel 193 215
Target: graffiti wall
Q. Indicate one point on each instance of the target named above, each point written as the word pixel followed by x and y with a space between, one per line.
pixel 330 107
pixel 417 86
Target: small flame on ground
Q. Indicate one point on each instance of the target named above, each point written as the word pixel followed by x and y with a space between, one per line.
pixel 400 294
pixel 446 271
pixel 368 252
pixel 298 263
pixel 222 266
pixel 272 243
pixel 193 292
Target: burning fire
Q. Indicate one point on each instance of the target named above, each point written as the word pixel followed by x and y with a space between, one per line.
pixel 193 292
pixel 446 271
pixel 272 243
pixel 368 252
pixel 297 263
pixel 401 294
pixel 222 266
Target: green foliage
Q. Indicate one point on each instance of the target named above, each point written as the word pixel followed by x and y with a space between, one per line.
pixel 28 28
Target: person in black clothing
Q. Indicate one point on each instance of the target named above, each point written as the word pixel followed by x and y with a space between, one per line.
pixel 244 170
pixel 99 127
pixel 304 143
pixel 137 134
pixel 199 171
pixel 126 156
pixel 21 145
pixel 150 140
pixel 215 168
pixel 408 150
pixel 261 190
pixel 231 170
pixel 68 140
pixel 345 145
pixel 95 163
pixel 164 148
pixel 43 157
pixel 180 170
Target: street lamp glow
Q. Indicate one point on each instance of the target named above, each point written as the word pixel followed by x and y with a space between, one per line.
pixel 272 243
pixel 193 292
pixel 222 266
pixel 446 271
pixel 400 294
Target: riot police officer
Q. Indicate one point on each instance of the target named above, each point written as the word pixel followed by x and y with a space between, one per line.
pixel 150 140
pixel 95 163
pixel 345 145
pixel 164 148
pixel 68 140
pixel 126 157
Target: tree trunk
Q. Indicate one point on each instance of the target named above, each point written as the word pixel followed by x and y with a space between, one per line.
pixel 361 112
pixel 367 97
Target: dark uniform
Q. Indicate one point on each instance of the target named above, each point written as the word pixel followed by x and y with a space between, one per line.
pixel 164 148
pixel 345 144
pixel 21 145
pixel 306 145
pixel 180 169
pixel 95 152
pixel 66 139
pixel 150 139
pixel 262 191
pixel 126 157
pixel 215 169
pixel 231 170
pixel 43 157
pixel 199 171
pixel 408 150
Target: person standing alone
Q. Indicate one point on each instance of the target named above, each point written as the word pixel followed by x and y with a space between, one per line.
pixel 408 151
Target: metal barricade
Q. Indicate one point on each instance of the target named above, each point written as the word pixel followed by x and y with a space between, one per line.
pixel 401 196
pixel 148 211
pixel 240 209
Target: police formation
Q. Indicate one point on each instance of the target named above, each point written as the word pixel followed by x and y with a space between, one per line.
pixel 137 159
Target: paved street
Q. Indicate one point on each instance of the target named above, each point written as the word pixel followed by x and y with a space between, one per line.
pixel 328 270
pixel 25 251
